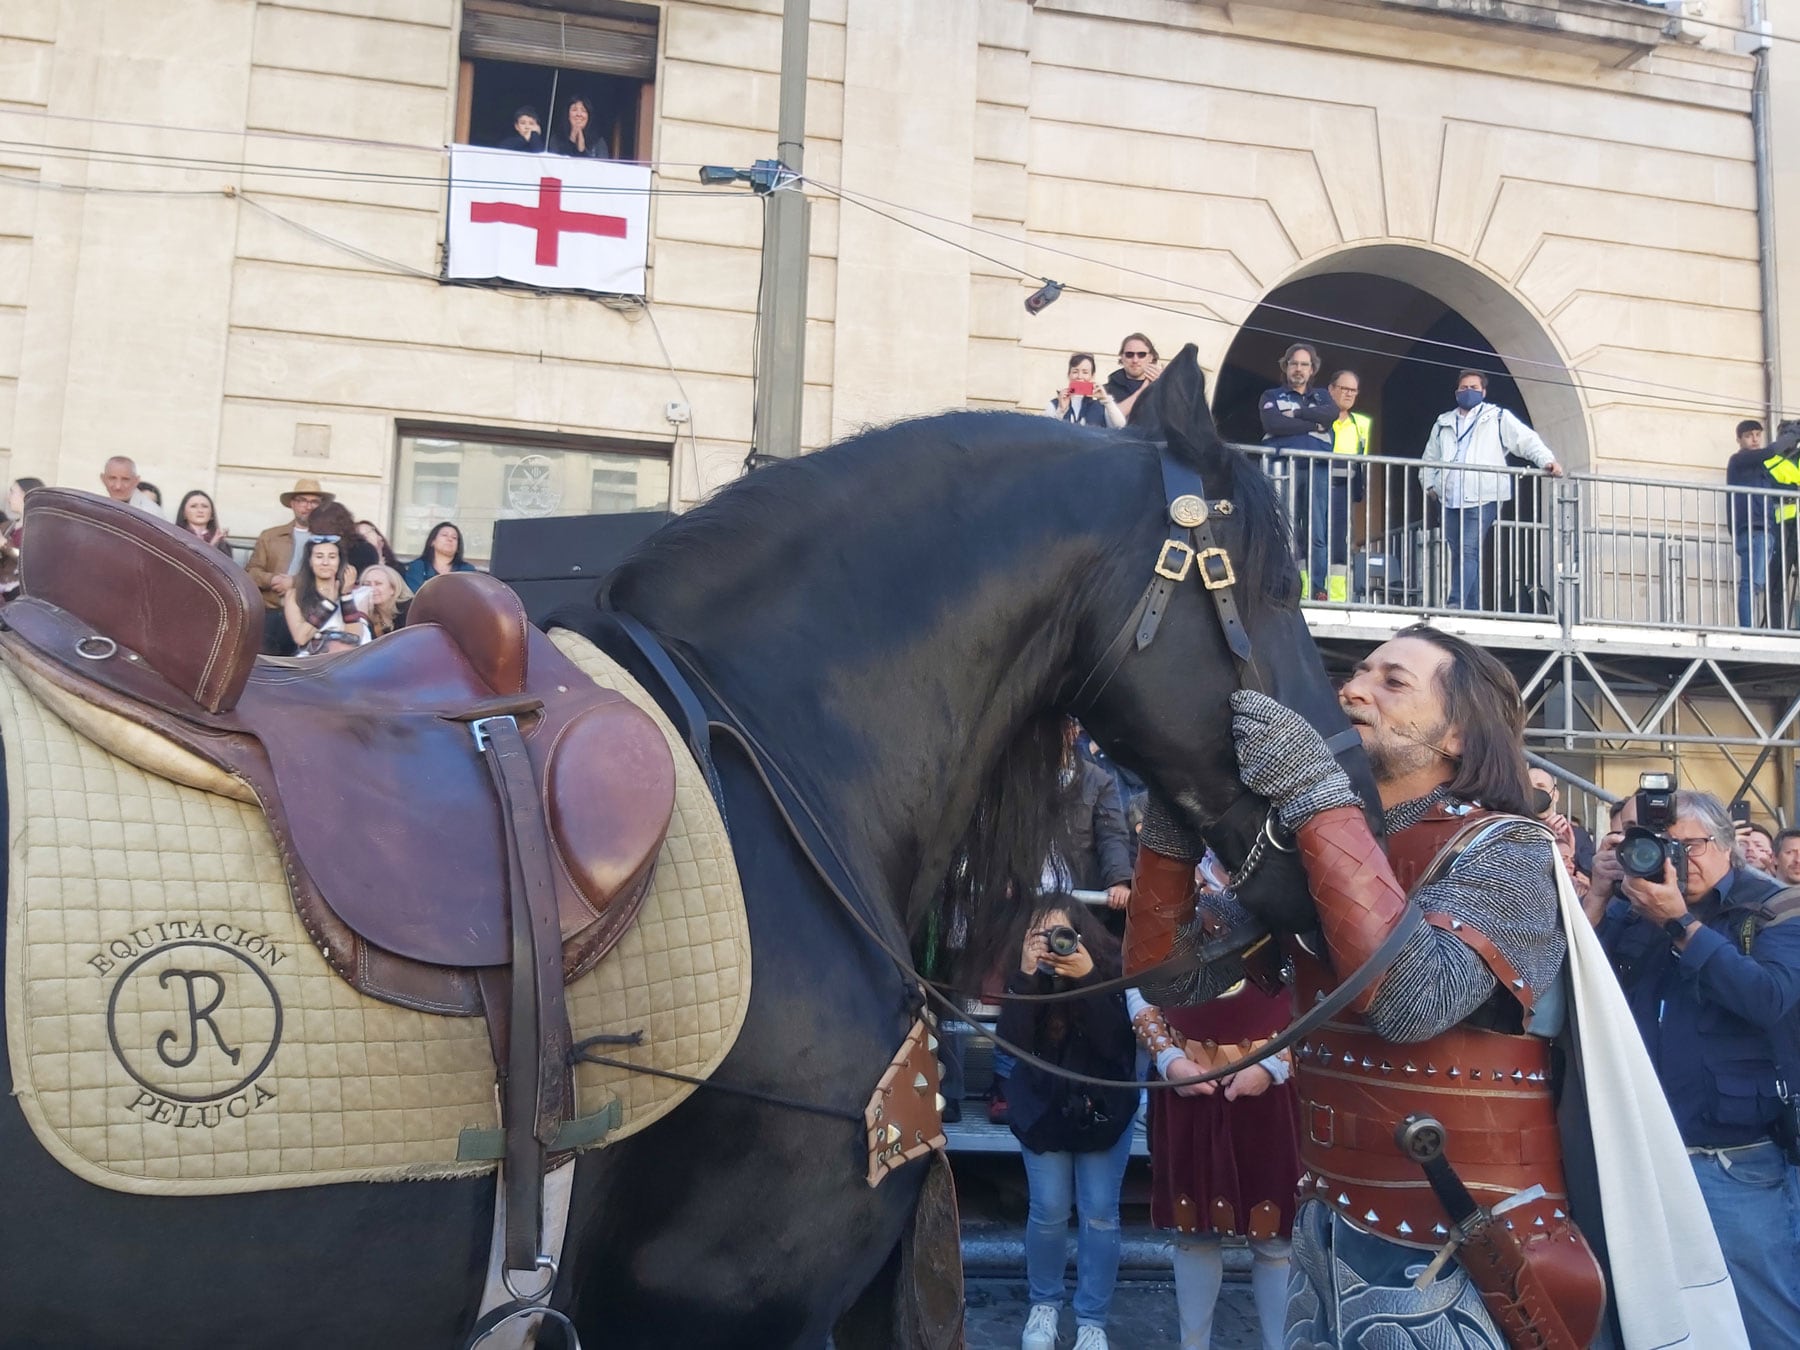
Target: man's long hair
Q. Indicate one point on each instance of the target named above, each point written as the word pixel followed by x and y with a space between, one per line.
pixel 1481 700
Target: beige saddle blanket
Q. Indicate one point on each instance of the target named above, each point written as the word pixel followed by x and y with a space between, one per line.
pixel 173 1032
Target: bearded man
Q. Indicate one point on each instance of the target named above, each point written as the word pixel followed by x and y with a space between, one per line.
pixel 1459 1028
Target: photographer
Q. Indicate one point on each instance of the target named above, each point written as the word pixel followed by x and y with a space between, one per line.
pixel 1075 1139
pixel 1712 975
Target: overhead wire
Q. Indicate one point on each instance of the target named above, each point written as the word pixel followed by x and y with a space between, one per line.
pixel 334 174
pixel 1699 400
pixel 261 133
pixel 1511 358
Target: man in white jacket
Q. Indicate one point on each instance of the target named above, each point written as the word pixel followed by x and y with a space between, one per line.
pixel 1475 433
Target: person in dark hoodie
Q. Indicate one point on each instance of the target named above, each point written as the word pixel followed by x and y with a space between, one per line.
pixel 1075 1139
pixel 1752 519
pixel 1297 415
pixel 527 135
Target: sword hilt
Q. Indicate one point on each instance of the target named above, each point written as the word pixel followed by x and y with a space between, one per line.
pixel 1421 1138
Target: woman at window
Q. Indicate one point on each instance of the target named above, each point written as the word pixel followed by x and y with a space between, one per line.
pixel 1081 401
pixel 320 617
pixel 579 139
pixel 443 552
pixel 199 519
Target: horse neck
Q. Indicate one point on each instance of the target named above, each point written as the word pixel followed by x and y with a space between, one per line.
pixel 888 687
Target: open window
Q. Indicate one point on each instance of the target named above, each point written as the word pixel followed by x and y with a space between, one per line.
pixel 544 55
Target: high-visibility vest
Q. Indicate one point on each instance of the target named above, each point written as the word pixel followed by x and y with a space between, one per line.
pixel 1354 439
pixel 1786 472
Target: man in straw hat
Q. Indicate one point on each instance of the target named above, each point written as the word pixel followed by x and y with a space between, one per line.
pixel 277 552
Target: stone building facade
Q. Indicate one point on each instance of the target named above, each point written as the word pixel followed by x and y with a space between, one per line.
pixel 221 222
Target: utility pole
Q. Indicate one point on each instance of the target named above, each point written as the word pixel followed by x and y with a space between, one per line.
pixel 787 232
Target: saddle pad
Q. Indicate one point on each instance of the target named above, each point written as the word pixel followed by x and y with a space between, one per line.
pixel 172 1031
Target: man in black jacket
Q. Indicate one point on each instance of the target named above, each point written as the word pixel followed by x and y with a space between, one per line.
pixel 1752 518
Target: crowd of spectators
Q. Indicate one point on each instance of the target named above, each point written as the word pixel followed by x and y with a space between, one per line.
pixel 329 582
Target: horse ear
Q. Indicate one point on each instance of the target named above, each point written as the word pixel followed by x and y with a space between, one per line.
pixel 1176 405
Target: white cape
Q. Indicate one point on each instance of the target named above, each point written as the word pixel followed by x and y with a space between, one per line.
pixel 1669 1280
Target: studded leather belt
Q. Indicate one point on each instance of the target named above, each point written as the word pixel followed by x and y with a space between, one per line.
pixel 1491 1091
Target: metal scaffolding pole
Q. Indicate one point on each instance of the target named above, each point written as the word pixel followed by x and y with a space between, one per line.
pixel 787 226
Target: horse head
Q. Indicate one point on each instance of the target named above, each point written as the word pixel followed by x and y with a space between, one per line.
pixel 1166 710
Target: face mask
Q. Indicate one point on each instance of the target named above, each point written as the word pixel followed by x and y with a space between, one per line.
pixel 1468 398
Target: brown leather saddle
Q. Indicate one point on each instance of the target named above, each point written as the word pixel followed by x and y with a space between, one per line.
pixel 466 820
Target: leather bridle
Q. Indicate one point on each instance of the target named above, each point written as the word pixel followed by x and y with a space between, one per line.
pixel 1191 547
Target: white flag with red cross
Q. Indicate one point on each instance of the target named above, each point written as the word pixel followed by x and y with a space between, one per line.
pixel 548 220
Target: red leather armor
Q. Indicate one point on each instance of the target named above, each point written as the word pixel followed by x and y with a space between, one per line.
pixel 1491 1090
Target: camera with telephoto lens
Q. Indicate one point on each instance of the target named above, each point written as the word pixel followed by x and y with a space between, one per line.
pixel 1062 940
pixel 1646 847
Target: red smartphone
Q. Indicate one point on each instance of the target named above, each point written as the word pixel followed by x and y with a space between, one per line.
pixel 1083 387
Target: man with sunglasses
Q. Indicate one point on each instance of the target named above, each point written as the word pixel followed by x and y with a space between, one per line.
pixel 1710 965
pixel 1138 370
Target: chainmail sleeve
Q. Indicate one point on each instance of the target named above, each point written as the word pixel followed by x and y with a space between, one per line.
pixel 1505 890
pixel 1166 835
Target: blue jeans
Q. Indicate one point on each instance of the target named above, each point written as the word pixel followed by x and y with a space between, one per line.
pixel 1753 573
pixel 1752 1195
pixel 1465 533
pixel 1091 1182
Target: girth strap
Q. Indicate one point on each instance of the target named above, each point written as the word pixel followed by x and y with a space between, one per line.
pixel 536 1063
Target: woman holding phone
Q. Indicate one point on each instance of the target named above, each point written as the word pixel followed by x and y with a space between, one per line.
pixel 321 618
pixel 1081 401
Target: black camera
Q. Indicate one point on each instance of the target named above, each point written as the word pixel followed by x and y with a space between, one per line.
pixel 1646 847
pixel 1062 940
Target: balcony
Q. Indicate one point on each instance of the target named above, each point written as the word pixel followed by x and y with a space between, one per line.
pixel 1618 561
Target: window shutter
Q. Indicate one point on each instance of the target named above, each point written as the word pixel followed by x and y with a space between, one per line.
pixel 502 32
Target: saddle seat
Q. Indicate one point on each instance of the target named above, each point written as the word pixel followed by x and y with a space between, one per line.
pixel 364 763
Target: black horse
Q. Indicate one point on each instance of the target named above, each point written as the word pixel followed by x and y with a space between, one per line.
pixel 893 620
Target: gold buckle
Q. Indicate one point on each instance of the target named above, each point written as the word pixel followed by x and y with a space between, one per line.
pixel 1207 557
pixel 1163 566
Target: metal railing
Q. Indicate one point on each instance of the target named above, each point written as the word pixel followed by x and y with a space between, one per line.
pixel 1515 543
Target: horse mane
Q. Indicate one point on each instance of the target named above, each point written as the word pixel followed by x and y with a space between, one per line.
pixel 782 496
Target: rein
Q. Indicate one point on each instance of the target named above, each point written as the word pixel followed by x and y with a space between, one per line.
pixel 1190 546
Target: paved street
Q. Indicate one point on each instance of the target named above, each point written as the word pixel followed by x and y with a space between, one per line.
pixel 1143 1316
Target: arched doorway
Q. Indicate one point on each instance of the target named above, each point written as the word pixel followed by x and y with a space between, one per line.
pixel 1437 306
pixel 1407 320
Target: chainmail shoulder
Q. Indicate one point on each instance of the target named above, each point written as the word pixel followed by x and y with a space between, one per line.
pixel 1504 889
pixel 1408 814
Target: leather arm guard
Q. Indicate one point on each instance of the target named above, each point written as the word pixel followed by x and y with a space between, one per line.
pixel 1161 905
pixel 1358 898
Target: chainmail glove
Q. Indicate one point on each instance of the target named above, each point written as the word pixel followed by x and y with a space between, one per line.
pixel 1282 758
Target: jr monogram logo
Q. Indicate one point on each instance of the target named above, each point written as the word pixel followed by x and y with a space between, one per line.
pixel 195 1023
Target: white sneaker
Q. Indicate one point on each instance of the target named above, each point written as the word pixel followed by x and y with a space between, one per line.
pixel 1090 1338
pixel 1040 1328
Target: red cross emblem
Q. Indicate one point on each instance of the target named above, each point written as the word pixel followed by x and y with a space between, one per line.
pixel 548 218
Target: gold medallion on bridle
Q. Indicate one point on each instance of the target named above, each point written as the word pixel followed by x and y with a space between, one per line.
pixel 1187 511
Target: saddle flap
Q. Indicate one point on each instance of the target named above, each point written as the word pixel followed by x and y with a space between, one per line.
pixel 156 590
